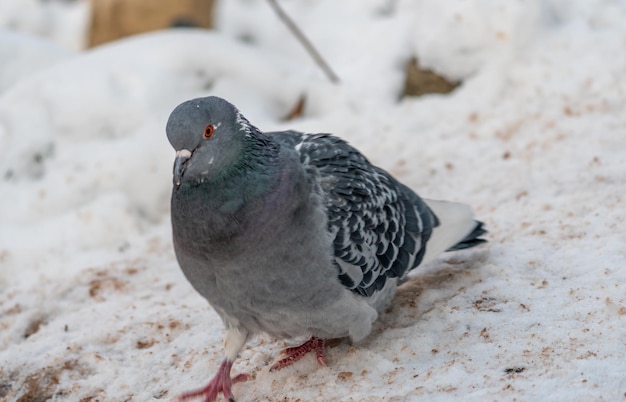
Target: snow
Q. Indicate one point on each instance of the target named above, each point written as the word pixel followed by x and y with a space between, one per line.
pixel 62 22
pixel 94 307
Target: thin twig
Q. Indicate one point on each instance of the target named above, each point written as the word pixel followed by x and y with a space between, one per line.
pixel 305 42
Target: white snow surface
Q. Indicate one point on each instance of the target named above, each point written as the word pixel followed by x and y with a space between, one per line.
pixel 93 306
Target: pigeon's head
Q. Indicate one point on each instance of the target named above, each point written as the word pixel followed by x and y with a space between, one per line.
pixel 208 135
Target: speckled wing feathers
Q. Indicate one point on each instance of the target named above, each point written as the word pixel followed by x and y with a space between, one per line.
pixel 379 226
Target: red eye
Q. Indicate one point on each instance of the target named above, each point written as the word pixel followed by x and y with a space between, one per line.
pixel 208 131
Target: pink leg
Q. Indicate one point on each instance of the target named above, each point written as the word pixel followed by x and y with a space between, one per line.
pixel 220 383
pixel 296 353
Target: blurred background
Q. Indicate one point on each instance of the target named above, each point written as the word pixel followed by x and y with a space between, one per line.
pixel 76 25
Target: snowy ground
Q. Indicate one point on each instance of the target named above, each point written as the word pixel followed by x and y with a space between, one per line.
pixel 94 308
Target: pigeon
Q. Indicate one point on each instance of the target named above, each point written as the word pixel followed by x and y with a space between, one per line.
pixel 294 234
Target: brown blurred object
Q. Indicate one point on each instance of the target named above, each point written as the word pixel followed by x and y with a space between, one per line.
pixel 297 110
pixel 420 81
pixel 115 19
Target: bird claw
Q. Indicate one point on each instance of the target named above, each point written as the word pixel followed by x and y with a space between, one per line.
pixel 296 353
pixel 222 382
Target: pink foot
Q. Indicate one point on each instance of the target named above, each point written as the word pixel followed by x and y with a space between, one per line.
pixel 220 383
pixel 296 353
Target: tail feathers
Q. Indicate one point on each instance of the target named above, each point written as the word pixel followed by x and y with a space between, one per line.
pixel 457 229
pixel 472 239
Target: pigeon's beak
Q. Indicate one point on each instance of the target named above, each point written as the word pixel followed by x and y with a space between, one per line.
pixel 182 156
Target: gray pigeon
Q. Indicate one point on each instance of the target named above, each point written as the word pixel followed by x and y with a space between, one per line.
pixel 293 234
